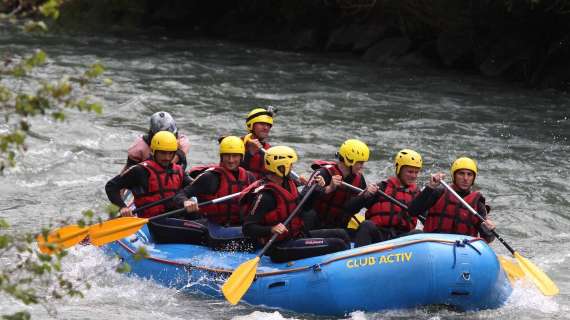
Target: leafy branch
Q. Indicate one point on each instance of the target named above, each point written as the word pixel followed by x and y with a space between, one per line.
pixel 27 275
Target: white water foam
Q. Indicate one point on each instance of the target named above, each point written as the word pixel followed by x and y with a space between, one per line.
pixel 526 296
pixel 259 315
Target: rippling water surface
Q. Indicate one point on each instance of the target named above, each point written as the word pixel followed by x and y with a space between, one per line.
pixel 519 137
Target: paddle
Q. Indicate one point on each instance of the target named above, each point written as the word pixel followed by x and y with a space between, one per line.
pixel 242 277
pixel 540 279
pixel 512 269
pixel 71 235
pixel 382 193
pixel 119 228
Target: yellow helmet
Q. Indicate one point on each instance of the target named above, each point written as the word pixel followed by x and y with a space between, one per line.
pixel 232 145
pixel 352 151
pixel 258 115
pixel 280 156
pixel 407 157
pixel 464 163
pixel 164 141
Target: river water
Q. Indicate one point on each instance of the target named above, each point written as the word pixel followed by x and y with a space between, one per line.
pixel 519 137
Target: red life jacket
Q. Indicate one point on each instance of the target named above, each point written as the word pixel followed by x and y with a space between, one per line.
pixel 162 183
pixel 385 214
pixel 256 163
pixel 286 202
pixel 195 171
pixel 448 215
pixel 330 207
pixel 228 212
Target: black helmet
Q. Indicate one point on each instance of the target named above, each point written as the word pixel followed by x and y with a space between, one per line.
pixel 162 121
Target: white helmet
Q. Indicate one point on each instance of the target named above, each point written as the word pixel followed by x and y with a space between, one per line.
pixel 162 121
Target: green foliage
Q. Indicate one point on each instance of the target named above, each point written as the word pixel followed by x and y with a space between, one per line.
pixel 50 8
pixel 141 253
pixel 50 98
pixel 18 316
pixel 112 210
pixel 35 26
pixel 123 268
pixel 28 275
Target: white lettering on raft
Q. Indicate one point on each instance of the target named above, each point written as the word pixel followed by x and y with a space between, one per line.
pixel 370 261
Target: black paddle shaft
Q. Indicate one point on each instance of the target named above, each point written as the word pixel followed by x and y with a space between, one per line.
pixel 382 193
pixel 291 216
pixel 205 203
pixel 475 213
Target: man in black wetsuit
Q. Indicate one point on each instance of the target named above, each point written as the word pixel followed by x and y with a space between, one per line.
pixel 219 181
pixel 271 204
pixel 150 181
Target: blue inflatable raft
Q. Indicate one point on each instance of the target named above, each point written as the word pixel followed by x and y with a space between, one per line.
pixel 424 269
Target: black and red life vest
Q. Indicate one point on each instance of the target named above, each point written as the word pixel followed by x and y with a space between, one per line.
pixel 286 202
pixel 162 183
pixel 448 215
pixel 195 171
pixel 255 163
pixel 329 207
pixel 228 212
pixel 385 214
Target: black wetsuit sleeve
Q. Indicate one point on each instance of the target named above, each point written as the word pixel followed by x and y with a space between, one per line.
pixel 135 179
pixel 130 163
pixel 206 184
pixel 182 159
pixel 323 173
pixel 264 202
pixel 318 192
pixel 354 205
pixel 425 200
pixel 186 180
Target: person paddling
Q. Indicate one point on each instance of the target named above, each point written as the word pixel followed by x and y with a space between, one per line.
pixel 384 219
pixel 271 204
pixel 445 213
pixel 151 180
pixel 258 123
pixel 219 181
pixel 140 149
pixel 328 207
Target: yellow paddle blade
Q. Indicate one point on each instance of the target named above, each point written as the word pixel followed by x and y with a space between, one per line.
pixel 61 238
pixel 355 221
pixel 540 279
pixel 512 269
pixel 112 230
pixel 240 280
